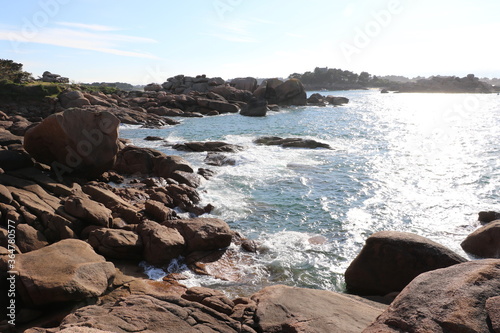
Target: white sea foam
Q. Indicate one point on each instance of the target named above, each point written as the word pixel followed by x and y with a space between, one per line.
pixel 389 170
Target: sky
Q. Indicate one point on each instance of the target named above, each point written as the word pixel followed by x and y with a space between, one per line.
pixel 143 42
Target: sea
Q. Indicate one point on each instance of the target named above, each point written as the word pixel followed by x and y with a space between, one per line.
pixel 413 162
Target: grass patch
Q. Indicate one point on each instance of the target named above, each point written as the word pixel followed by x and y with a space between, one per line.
pixel 14 92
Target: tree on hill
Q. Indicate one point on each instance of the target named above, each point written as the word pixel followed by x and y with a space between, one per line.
pixel 11 71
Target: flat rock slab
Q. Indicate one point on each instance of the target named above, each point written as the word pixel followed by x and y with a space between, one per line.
pixel 142 313
pixel 289 309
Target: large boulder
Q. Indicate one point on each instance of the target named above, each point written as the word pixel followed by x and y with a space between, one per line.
pixel 255 108
pixel 223 107
pixel 291 309
pixel 73 99
pixel 203 234
pixel 266 90
pixel 75 140
pixel 484 242
pixel 390 260
pixel 116 243
pixel 161 244
pixel 244 83
pixel 231 93
pixel 68 270
pixel 451 300
pixel 291 92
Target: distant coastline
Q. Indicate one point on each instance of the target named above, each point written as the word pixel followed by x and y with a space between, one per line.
pixel 337 79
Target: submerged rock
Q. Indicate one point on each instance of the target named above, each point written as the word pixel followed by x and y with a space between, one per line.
pixel 337 100
pixel 217 159
pixel 290 142
pixel 213 146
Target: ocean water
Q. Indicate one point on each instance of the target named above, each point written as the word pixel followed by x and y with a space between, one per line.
pixel 420 163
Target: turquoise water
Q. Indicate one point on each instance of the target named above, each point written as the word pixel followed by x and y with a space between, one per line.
pixel 421 163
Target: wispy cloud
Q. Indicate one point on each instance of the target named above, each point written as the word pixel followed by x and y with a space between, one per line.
pixel 94 27
pixel 238 31
pixel 88 37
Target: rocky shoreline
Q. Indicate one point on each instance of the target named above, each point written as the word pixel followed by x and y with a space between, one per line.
pixel 80 208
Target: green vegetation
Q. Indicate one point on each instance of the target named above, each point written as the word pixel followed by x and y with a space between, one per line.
pixel 12 72
pixel 14 92
pixel 108 90
pixel 103 86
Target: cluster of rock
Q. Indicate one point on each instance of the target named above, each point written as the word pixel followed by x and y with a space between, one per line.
pixel 79 237
pixel 317 99
pixel 179 96
pixel 55 187
pixel 55 78
pixel 435 290
pixel 446 84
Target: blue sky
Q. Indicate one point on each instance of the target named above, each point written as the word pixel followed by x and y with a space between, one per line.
pixel 143 42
